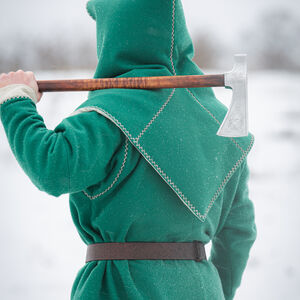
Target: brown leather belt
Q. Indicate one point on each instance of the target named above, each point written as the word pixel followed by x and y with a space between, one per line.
pixel 146 250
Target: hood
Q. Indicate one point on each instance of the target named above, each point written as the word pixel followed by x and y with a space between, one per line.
pixel 139 34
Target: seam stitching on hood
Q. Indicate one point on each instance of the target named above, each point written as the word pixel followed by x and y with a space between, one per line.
pixel 174 71
pixel 156 115
pixel 211 114
pixel 173 37
pixel 115 179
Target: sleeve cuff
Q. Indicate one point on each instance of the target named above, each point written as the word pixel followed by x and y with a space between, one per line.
pixel 17 91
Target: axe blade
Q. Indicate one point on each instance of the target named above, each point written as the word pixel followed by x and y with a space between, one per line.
pixel 235 123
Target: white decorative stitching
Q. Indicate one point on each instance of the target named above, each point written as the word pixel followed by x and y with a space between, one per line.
pixel 105 113
pixel 155 116
pixel 174 71
pixel 182 196
pixel 116 178
pixel 233 140
pixel 228 176
pixel 173 38
pixel 169 180
pixel 17 97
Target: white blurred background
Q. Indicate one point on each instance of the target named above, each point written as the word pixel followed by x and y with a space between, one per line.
pixel 41 251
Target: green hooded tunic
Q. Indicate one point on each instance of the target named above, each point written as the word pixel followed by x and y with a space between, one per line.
pixel 144 165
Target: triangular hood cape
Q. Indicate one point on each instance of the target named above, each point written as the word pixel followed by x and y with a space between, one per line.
pixel 174 129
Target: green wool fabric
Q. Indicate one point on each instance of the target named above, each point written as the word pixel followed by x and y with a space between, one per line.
pixel 144 165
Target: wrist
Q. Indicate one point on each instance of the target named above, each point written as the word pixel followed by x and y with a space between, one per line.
pixel 17 91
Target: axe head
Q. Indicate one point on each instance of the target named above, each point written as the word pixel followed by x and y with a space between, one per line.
pixel 235 123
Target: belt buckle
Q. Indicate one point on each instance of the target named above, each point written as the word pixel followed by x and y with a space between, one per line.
pixel 200 251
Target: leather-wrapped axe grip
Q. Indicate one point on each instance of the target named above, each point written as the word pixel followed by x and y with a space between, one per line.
pixel 155 82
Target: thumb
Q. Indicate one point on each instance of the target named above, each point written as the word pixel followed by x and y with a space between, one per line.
pixel 39 96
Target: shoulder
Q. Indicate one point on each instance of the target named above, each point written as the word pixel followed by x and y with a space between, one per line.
pixel 90 126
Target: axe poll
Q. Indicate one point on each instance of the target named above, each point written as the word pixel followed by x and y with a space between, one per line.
pixel 235 123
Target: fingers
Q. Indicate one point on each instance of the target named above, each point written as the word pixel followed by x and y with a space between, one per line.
pixel 18 72
pixel 3 76
pixel 28 77
pixel 28 73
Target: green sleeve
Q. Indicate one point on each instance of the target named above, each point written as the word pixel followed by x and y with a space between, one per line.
pixel 231 246
pixel 75 155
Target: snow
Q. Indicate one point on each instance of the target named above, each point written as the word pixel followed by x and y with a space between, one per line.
pixel 42 252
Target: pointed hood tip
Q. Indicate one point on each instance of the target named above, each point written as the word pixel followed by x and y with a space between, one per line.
pixel 131 33
pixel 89 10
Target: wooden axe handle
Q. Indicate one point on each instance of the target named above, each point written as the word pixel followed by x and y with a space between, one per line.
pixel 157 82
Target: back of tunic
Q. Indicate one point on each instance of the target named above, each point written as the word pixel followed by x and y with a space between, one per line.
pixel 169 178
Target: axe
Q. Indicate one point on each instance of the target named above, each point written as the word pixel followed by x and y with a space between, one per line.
pixel 235 123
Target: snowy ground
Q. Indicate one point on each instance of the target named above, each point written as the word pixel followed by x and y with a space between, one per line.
pixel 41 251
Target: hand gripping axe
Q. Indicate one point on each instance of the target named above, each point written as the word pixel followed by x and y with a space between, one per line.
pixel 235 123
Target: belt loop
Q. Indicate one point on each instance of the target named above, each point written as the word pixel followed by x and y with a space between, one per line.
pixel 200 251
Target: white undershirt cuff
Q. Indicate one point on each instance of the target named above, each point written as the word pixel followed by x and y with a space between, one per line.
pixel 17 91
